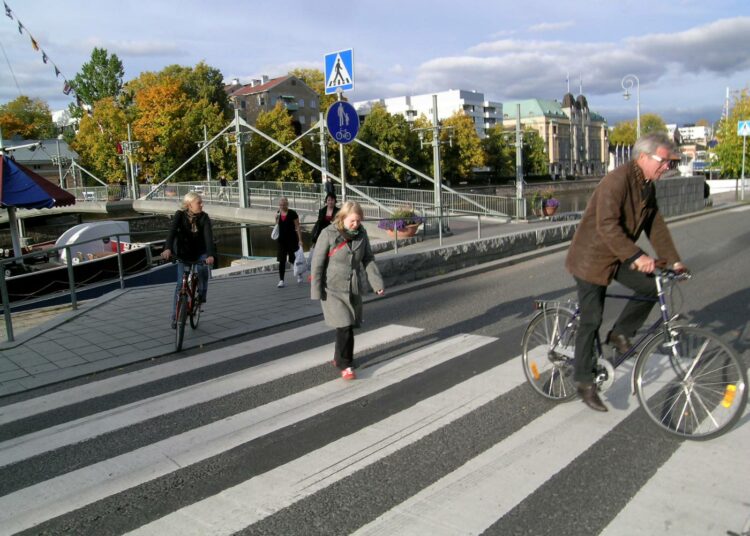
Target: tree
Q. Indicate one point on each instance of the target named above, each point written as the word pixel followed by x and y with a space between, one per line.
pixel 97 139
pixel 28 118
pixel 535 161
pixel 99 78
pixel 464 152
pixel 277 124
pixel 392 135
pixel 624 132
pixel 499 152
pixel 652 123
pixel 729 149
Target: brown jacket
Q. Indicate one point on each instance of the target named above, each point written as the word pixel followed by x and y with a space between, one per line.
pixel 614 219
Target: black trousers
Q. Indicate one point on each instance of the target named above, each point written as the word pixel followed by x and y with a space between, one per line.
pixel 344 349
pixel 591 301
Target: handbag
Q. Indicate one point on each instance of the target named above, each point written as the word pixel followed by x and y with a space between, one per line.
pixel 275 232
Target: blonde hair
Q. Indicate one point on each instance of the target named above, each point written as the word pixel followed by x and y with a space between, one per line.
pixel 346 209
pixel 189 198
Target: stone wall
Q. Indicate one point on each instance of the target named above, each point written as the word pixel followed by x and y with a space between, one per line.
pixel 680 195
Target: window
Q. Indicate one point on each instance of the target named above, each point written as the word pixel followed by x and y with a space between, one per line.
pixel 301 119
pixel 313 104
pixel 302 103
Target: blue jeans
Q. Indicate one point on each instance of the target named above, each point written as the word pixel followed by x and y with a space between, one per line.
pixel 203 274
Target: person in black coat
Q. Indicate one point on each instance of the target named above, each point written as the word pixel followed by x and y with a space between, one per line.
pixel 191 240
pixel 325 216
pixel 290 238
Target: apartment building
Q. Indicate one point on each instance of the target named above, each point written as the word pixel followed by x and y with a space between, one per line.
pixel 485 114
pixel 263 94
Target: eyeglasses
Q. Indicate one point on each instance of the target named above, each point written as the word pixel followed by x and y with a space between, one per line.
pixel 664 162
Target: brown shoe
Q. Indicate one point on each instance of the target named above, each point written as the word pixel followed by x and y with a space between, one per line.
pixel 591 397
pixel 620 342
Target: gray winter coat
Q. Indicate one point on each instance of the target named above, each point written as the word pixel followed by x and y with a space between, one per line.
pixel 338 273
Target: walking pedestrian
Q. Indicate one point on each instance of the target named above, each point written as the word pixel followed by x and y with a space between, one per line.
pixel 191 240
pixel 289 240
pixel 342 258
pixel 325 216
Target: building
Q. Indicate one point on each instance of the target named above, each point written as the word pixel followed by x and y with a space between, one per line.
pixel 263 95
pixel 576 139
pixel 44 157
pixel 485 114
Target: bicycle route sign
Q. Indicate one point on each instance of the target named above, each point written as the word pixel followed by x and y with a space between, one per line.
pixel 342 122
pixel 339 71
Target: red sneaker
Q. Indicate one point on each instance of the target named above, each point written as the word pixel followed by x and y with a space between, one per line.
pixel 348 374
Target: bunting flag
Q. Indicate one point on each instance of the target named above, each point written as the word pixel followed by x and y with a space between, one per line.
pixel 67 87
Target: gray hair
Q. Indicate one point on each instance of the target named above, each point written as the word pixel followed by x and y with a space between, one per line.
pixel 189 198
pixel 649 143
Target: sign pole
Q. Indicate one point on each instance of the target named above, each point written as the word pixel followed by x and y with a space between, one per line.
pixel 744 144
pixel 339 92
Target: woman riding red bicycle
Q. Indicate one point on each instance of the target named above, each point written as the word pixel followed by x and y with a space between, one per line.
pixel 191 240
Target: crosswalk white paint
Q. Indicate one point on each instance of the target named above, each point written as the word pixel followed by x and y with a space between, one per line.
pixel 700 490
pixel 37 503
pixel 94 425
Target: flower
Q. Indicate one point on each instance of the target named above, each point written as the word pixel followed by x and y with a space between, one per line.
pixel 551 202
pixel 401 218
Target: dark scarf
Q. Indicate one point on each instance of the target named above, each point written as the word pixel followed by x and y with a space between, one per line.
pixel 192 220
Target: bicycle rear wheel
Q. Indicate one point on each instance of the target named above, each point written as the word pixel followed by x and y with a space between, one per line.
pixel 195 313
pixel 548 348
pixel 181 318
pixel 693 386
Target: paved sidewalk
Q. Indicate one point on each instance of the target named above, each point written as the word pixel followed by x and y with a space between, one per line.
pixel 131 325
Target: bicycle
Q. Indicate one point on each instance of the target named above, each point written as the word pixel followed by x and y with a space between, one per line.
pixel 689 382
pixel 187 305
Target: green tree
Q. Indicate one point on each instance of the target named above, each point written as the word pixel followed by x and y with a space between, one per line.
pixel 729 150
pixel 277 124
pixel 392 135
pixel 652 123
pixel 535 161
pixel 624 132
pixel 97 139
pixel 28 118
pixel 499 152
pixel 463 152
pixel 99 78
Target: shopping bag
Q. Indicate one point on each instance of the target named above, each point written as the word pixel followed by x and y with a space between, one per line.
pixel 300 264
pixel 275 232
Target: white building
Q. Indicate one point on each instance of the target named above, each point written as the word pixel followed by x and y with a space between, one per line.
pixel 485 114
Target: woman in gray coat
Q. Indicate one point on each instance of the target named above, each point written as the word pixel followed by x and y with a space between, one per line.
pixel 342 257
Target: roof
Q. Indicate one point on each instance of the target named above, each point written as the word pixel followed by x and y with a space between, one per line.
pixel 533 108
pixel 44 153
pixel 262 88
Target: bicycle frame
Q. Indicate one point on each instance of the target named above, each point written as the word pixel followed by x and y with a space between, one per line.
pixel 660 326
pixel 189 284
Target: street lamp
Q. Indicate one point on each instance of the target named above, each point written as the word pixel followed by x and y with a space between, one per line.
pixel 627 85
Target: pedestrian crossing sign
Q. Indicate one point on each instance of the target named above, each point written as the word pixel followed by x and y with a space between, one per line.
pixel 339 71
pixel 743 128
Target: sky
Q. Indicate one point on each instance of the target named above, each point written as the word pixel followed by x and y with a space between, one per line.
pixel 685 53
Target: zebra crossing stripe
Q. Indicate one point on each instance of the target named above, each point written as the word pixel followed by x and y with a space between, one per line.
pixel 67 397
pixel 24 447
pixel 698 473
pixel 239 506
pixel 43 501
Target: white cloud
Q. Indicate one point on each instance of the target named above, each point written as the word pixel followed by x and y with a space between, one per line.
pixel 551 26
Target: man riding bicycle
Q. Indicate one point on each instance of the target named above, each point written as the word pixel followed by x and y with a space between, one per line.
pixel 604 248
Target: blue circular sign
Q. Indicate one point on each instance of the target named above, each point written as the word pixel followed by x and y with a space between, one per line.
pixel 342 122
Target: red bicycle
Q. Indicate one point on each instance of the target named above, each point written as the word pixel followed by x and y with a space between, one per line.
pixel 188 303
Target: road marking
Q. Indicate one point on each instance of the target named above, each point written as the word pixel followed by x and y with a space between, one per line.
pixel 23 447
pixel 43 501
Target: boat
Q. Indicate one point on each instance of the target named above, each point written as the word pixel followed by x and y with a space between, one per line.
pixel 97 250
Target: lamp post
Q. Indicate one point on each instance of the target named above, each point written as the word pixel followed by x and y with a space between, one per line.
pixel 627 85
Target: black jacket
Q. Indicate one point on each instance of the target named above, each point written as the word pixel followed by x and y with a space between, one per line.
pixel 188 243
pixel 321 223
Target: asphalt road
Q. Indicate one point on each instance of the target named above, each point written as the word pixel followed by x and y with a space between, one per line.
pixel 439 435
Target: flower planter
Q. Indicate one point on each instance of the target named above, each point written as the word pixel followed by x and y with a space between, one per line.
pixel 408 231
pixel 549 211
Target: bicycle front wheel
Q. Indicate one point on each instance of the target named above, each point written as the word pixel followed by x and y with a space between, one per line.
pixel 693 385
pixel 181 318
pixel 195 314
pixel 548 347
